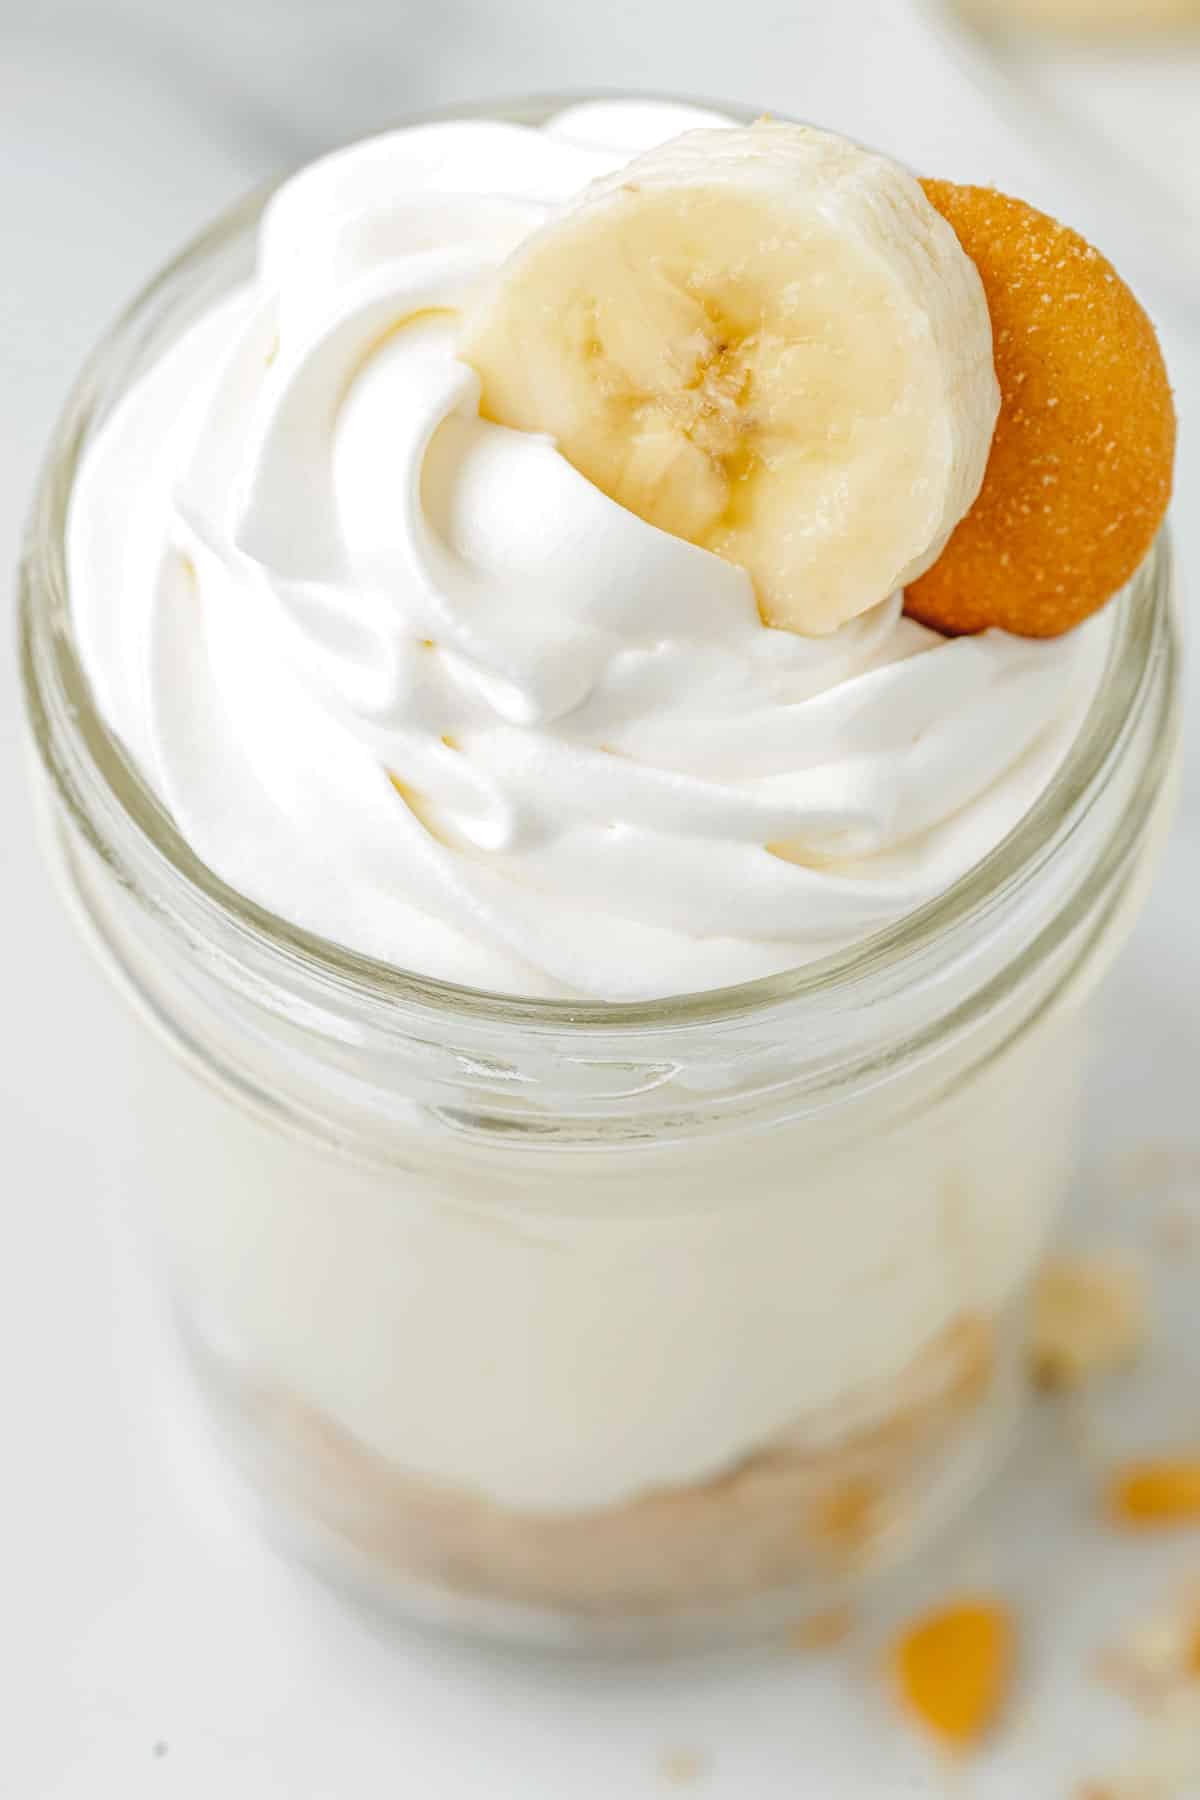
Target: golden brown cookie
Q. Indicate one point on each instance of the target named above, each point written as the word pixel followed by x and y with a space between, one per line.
pixel 1080 468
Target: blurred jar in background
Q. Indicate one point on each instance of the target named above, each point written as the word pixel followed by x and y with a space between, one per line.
pixel 1092 18
pixel 1110 89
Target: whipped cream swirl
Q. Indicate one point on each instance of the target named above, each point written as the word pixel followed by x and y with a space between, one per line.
pixel 406 678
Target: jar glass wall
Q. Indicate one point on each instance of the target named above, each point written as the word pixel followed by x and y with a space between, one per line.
pixel 653 1321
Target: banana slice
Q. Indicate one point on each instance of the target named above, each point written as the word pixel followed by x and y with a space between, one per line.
pixel 764 340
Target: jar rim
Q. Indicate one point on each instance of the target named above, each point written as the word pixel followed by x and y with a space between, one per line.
pixel 125 821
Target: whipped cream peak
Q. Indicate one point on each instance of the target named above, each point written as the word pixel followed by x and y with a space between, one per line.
pixel 407 678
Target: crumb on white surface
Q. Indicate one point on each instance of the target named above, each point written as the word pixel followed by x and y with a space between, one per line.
pixel 679 1767
pixel 1160 1652
pixel 1156 1665
pixel 822 1630
pixel 1089 1316
pixel 1175 1231
pixel 1165 1764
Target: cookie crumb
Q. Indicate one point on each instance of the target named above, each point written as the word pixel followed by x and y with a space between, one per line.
pixel 1155 1492
pixel 822 1630
pixel 1165 1764
pixel 954 1668
pixel 1089 1316
pixel 1175 1231
pixel 1160 1653
pixel 680 1767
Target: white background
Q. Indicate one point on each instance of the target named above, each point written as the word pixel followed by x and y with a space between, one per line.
pixel 148 1646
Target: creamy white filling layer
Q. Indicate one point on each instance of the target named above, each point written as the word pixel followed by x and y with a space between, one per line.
pixel 456 1323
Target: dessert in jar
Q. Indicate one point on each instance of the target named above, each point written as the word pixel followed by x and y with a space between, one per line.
pixel 1121 21
pixel 606 685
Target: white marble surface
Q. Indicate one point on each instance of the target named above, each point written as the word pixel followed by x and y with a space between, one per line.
pixel 149 1646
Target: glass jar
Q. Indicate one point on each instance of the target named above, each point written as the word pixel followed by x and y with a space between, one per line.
pixel 651 1322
